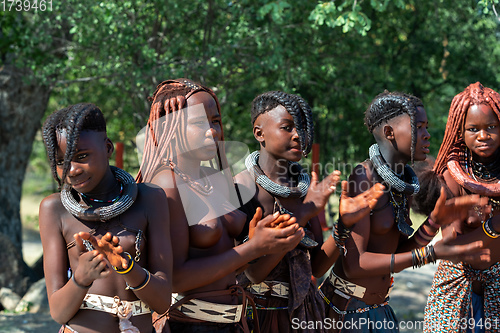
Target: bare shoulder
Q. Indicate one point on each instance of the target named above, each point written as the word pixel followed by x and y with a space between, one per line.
pixel 243 177
pixel 151 193
pixel 246 185
pixel 51 204
pixel 451 183
pixel 165 178
pixel 361 178
pixel 51 214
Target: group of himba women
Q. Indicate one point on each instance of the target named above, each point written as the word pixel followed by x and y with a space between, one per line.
pixel 189 247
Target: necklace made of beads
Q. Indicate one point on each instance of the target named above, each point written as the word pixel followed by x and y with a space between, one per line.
pixel 479 171
pixel 105 201
pixel 119 206
pixel 400 212
pixel 390 177
pixel 252 164
pixel 204 189
pixel 460 169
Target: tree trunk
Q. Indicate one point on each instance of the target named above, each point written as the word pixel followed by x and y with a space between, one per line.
pixel 22 106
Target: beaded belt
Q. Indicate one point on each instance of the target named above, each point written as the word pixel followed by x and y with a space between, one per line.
pixel 208 311
pixel 344 312
pixel 345 286
pixel 277 288
pixel 112 304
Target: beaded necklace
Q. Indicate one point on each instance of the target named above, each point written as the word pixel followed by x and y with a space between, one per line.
pixel 252 164
pixel 88 213
pixel 104 201
pixel 398 188
pixel 400 212
pixel 204 189
pixel 485 172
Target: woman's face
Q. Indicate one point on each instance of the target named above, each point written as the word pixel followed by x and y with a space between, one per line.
pixel 203 127
pixel 482 132
pixel 90 161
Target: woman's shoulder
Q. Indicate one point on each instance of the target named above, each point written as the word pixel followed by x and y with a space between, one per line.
pixel 52 202
pixel 164 178
pixel 451 183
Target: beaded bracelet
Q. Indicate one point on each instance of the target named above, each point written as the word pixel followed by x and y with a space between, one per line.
pixel 79 285
pixel 130 265
pixel 432 223
pixel 340 234
pixel 488 230
pixel 142 285
pixel 423 256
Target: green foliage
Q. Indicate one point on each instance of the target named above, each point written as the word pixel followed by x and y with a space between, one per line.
pixel 336 54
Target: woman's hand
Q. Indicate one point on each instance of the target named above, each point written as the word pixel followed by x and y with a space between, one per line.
pixel 275 233
pixel 319 192
pixel 473 252
pixel 353 209
pixel 108 246
pixel 92 265
pixel 458 208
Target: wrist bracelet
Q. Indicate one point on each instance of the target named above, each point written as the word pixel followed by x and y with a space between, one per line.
pixel 130 265
pixel 142 285
pixel 79 285
pixel 488 230
pixel 432 223
pixel 392 263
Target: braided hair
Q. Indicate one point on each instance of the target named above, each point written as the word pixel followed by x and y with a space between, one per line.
pixel 474 94
pixel 72 120
pixel 163 130
pixel 388 105
pixel 296 107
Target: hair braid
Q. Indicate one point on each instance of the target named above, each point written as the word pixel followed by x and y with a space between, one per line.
pixel 388 105
pixel 163 130
pixel 70 120
pixel 295 106
pixel 474 94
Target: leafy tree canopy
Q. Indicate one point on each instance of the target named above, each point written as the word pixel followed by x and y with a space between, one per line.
pixel 337 54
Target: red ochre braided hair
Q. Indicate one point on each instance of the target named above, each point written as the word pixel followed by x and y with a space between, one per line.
pixel 162 131
pixel 474 94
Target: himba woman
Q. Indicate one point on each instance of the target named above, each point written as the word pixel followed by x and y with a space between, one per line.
pixel 357 290
pixel 106 240
pixel 286 298
pixel 464 296
pixel 184 130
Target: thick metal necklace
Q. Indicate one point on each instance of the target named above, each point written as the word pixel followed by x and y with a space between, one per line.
pixel 252 164
pixel 105 213
pixel 397 187
pixel 390 177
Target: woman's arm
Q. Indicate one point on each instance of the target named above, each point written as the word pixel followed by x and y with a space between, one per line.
pixel 65 296
pixel 187 271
